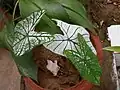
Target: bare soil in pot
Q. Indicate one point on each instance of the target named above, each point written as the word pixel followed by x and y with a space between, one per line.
pixel 66 77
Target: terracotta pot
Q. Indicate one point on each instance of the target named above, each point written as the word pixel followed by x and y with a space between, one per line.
pixel 82 85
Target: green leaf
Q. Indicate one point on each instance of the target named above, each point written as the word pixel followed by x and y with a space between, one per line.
pixel 6 39
pixel 1 45
pixel 46 24
pixel 53 9
pixel 77 13
pixel 6 28
pixel 25 38
pixel 73 5
pixel 113 48
pixel 85 61
pixel 79 20
pixel 71 11
pixel 83 1
pixel 26 8
pixel 26 65
pixel 49 27
pixel 56 10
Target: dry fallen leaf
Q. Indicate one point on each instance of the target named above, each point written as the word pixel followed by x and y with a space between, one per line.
pixel 53 67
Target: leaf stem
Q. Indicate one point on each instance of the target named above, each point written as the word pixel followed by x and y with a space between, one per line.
pixel 14 10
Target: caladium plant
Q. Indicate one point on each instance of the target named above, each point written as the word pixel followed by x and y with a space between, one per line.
pixel 21 38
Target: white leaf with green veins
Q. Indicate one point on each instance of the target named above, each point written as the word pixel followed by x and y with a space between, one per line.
pixel 25 38
pixel 69 39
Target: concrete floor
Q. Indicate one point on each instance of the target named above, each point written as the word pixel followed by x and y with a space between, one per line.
pixel 9 76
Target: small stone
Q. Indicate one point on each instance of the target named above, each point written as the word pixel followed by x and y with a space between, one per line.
pixel 115 20
pixel 119 6
pixel 101 22
pixel 109 1
pixel 114 3
pixel 53 67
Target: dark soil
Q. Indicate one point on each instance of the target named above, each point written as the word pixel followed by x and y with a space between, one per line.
pixel 67 76
pixel 107 11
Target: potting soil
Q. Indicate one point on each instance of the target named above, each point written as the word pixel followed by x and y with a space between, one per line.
pixel 66 77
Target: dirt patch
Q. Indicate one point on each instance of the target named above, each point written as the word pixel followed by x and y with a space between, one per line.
pixel 67 75
pixel 104 11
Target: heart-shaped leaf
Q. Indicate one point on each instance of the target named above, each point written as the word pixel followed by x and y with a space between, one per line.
pixel 85 61
pixel 25 38
pixel 68 40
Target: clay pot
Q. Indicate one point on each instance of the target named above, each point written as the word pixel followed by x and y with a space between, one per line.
pixel 82 85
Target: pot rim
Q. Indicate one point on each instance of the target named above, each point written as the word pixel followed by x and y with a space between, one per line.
pixel 31 83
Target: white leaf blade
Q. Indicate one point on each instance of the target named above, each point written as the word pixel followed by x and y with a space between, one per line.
pixel 25 36
pixel 62 43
